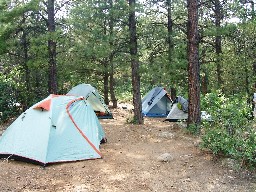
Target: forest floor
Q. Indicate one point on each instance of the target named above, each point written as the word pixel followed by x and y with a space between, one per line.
pixel 157 156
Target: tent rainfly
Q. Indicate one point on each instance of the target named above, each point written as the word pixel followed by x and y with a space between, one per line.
pixel 156 103
pixel 179 111
pixel 60 128
pixel 93 97
pixel 176 114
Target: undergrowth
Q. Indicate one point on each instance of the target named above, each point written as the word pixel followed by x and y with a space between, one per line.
pixel 232 131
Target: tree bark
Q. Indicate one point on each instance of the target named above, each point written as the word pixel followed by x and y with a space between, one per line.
pixel 138 118
pixel 193 64
pixel 204 83
pixel 25 66
pixel 169 26
pixel 112 85
pixel 173 93
pixel 218 49
pixel 52 82
pixel 204 77
pixel 105 82
pixel 111 74
pixel 253 11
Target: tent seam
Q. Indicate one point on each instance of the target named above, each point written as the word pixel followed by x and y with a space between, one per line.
pixel 80 131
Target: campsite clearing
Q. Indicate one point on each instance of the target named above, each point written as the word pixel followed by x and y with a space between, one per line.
pixel 157 156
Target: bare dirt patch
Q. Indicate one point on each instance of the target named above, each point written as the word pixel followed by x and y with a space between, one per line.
pixel 157 156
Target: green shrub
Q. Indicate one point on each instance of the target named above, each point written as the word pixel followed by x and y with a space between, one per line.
pixel 193 129
pixel 8 106
pixel 231 132
pixel 131 120
pixel 218 141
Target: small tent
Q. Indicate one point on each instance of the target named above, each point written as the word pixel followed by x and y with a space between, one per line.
pixel 179 111
pixel 57 129
pixel 176 114
pixel 93 97
pixel 156 103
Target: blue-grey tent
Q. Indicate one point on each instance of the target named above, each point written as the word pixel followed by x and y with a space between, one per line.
pixel 93 97
pixel 156 103
pixel 57 129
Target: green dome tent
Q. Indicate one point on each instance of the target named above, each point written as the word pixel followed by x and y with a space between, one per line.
pixel 57 129
pixel 93 97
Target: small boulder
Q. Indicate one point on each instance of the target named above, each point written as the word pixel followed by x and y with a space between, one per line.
pixel 166 157
pixel 166 134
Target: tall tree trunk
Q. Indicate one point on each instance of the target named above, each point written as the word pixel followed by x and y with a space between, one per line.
pixel 251 94
pixel 169 26
pixel 111 74
pixel 254 68
pixel 173 93
pixel 193 64
pixel 204 83
pixel 112 84
pixel 52 82
pixel 105 81
pixel 218 49
pixel 254 63
pixel 247 83
pixel 25 66
pixel 253 11
pixel 105 72
pixel 204 78
pixel 138 118
pixel 105 63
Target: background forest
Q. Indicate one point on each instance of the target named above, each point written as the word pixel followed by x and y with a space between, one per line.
pixel 50 46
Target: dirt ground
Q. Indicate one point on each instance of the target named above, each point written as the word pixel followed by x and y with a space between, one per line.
pixel 157 156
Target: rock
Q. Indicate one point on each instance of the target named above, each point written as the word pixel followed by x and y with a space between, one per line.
pixel 197 143
pixel 166 157
pixel 166 135
pixel 230 163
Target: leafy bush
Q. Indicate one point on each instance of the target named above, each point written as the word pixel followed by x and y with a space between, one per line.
pixel 193 129
pixel 231 132
pixel 8 106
